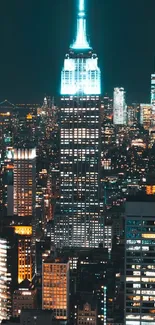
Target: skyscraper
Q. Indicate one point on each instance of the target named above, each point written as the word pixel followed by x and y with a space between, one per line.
pixel 24 207
pixel 78 219
pixel 24 181
pixel 139 261
pixel 146 115
pixel 119 107
pixel 25 269
pixel 8 272
pixel 55 286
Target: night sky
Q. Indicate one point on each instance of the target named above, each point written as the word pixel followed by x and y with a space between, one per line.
pixel 36 34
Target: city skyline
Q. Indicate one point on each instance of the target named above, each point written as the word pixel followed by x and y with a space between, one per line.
pixel 32 54
pixel 77 180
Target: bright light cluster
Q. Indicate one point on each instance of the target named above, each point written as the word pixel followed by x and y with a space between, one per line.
pixel 81 75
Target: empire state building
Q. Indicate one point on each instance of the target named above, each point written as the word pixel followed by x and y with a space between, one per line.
pixel 79 211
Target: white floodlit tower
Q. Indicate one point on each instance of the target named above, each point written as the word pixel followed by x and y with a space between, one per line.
pixel 119 107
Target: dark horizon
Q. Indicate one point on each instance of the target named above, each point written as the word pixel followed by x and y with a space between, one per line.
pixel 35 38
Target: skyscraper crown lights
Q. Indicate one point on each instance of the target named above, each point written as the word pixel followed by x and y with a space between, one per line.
pixel 81 74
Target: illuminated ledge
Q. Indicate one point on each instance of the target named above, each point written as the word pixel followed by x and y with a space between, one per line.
pixel 23 230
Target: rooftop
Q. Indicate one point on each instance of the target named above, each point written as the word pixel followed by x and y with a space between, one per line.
pixel 142 197
pixel 57 260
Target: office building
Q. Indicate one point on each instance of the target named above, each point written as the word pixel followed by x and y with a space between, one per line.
pixel 1 190
pixel 8 181
pixel 79 215
pixel 139 261
pixel 24 181
pixel 108 237
pixel 133 114
pixel 55 287
pixel 6 140
pixel 8 272
pixel 119 107
pixel 87 313
pixel 145 115
pixel 25 263
pixel 6 125
pixel 24 297
pixel 107 108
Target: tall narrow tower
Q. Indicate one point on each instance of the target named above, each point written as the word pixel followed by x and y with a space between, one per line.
pixel 79 214
pixel 24 181
pixel 119 107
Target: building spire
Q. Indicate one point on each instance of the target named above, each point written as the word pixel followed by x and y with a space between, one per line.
pixel 81 41
pixel 81 5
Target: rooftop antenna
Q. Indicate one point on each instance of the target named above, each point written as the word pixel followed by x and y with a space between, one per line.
pixel 81 41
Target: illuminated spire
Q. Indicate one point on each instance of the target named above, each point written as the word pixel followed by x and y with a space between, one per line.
pixel 81 37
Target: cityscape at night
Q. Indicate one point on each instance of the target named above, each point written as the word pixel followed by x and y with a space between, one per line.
pixel 77 173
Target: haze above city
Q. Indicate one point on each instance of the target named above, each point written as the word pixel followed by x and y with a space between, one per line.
pixel 35 36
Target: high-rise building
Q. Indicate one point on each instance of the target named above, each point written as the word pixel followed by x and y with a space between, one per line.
pixel 1 190
pixel 119 107
pixel 108 237
pixel 24 297
pixel 6 141
pixel 8 181
pixel 107 108
pixel 146 115
pixel 24 181
pixel 153 98
pixel 55 287
pixel 79 215
pixel 24 235
pixel 6 125
pixel 8 272
pixel 133 112
pixel 139 261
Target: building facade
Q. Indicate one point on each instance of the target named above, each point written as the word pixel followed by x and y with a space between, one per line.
pixel 79 215
pixel 24 181
pixel 25 264
pixel 153 89
pixel 55 287
pixel 139 261
pixel 24 297
pixel 146 115
pixel 87 314
pixel 8 272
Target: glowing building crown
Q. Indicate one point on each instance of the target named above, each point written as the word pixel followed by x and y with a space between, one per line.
pixel 81 37
pixel 80 73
